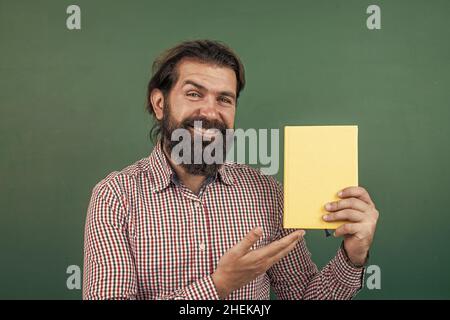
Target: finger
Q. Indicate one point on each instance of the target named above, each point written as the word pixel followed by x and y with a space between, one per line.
pixel 272 249
pixel 281 254
pixel 346 229
pixel 344 215
pixel 248 241
pixel 350 203
pixel 356 192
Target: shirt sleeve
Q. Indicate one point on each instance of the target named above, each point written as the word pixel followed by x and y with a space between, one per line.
pixel 203 289
pixel 297 277
pixel 109 269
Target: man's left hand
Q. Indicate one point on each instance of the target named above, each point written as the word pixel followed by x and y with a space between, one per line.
pixel 358 209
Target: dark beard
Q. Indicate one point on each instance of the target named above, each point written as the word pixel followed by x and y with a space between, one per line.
pixel 200 169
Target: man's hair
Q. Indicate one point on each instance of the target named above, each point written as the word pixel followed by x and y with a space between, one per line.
pixel 165 73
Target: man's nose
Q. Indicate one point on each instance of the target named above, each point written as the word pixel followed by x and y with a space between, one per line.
pixel 209 110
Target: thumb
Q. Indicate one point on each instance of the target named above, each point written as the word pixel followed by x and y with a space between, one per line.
pixel 249 240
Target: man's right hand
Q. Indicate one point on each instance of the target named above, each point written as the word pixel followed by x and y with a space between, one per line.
pixel 240 265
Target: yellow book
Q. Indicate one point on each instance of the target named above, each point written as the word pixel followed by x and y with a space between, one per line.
pixel 319 161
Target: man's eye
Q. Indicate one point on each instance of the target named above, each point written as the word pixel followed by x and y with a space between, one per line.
pixel 226 100
pixel 193 94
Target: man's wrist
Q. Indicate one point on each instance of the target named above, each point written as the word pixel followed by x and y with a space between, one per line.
pixel 220 286
pixel 358 261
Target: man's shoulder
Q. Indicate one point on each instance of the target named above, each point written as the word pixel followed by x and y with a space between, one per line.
pixel 125 177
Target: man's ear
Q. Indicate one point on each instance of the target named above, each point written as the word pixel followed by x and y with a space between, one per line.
pixel 157 101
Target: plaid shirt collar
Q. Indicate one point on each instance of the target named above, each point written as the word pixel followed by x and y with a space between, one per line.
pixel 162 173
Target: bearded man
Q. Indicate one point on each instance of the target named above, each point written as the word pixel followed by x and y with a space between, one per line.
pixel 162 228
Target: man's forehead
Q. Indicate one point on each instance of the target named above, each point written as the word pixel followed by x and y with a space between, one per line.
pixel 211 76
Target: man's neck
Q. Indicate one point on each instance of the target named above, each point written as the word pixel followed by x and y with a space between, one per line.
pixel 191 181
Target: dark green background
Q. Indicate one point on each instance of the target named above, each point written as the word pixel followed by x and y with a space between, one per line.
pixel 72 111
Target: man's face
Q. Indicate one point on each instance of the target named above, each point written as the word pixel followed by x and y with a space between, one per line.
pixel 206 93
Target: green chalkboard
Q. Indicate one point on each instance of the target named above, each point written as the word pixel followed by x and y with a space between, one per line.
pixel 73 110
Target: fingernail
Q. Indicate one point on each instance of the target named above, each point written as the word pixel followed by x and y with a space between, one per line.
pixel 325 217
pixel 334 234
pixel 328 206
pixel 340 194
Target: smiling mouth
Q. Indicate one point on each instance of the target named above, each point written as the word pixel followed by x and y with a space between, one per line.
pixel 207 133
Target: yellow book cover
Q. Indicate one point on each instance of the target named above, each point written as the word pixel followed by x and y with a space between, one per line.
pixel 319 161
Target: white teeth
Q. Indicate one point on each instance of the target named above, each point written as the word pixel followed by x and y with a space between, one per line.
pixel 205 132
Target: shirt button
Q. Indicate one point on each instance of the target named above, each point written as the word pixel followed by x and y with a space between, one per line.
pixel 202 246
pixel 197 204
